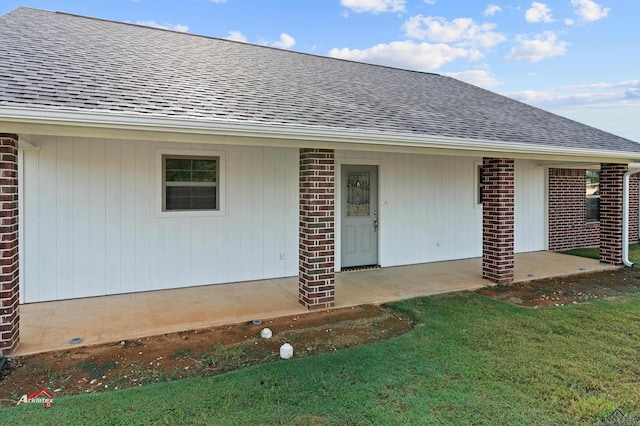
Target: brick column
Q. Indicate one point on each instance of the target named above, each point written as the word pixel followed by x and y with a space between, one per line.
pixel 316 282
pixel 634 229
pixel 9 290
pixel 498 220
pixel 611 212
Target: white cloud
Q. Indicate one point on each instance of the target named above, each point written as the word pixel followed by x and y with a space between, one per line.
pixel 218 1
pixel 545 45
pixel 569 21
pixel 626 84
pixel 430 1
pixel 405 54
pixel 285 42
pixel 479 78
pixel 475 55
pixel 594 94
pixel 589 10
pixel 374 6
pixel 539 12
pixel 556 98
pixel 236 36
pixel 173 27
pixel 492 9
pixel 463 31
pixel 611 106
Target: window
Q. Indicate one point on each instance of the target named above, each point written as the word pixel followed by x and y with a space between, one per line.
pixel 479 184
pixel 593 196
pixel 190 183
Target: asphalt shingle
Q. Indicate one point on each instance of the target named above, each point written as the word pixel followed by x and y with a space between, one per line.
pixel 66 62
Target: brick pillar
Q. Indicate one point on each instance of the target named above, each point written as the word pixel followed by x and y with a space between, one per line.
pixel 498 220
pixel 611 212
pixel 316 282
pixel 634 187
pixel 9 290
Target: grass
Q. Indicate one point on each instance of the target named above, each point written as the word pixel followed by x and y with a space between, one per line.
pixel 594 252
pixel 469 360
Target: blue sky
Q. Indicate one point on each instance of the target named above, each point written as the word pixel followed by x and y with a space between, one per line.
pixel 577 58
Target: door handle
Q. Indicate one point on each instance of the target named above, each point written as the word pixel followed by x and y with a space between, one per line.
pixel 375 221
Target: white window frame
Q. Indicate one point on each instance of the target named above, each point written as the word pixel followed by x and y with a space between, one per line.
pixel 477 184
pixel 587 197
pixel 161 154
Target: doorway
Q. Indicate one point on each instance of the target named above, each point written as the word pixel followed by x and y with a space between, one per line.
pixel 360 219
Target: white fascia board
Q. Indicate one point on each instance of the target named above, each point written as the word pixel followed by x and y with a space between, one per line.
pixel 259 130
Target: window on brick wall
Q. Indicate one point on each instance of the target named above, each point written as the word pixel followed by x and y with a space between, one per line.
pixel 477 180
pixel 479 185
pixel 593 196
pixel 190 183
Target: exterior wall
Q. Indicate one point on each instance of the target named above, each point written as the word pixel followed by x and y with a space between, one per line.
pixel 92 228
pixel 92 225
pixel 568 227
pixel 429 210
pixel 428 207
pixel 530 207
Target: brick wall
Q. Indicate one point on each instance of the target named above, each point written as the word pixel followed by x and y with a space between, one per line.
pixel 317 229
pixel 568 227
pixel 498 220
pixel 9 290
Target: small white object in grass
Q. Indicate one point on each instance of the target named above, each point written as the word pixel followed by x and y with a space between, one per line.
pixel 286 351
pixel 266 333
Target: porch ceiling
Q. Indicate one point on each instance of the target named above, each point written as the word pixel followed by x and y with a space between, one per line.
pixel 50 325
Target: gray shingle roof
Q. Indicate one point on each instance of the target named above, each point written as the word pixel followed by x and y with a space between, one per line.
pixel 66 62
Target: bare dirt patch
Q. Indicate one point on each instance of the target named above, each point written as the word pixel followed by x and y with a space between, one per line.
pixel 572 289
pixel 203 352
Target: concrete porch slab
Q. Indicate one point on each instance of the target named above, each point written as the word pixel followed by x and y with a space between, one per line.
pixel 50 325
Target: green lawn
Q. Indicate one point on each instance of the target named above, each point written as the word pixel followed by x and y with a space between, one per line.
pixel 594 252
pixel 470 360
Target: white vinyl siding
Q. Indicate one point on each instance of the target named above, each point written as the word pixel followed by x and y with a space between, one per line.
pixel 429 210
pixel 92 224
pixel 530 207
pixel 91 227
pixel 427 207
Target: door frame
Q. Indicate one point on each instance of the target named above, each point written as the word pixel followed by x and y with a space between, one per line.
pixel 339 162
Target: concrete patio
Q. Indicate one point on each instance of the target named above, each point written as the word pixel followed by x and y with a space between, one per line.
pixel 50 325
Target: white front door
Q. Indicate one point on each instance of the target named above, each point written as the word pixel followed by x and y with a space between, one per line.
pixel 359 215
